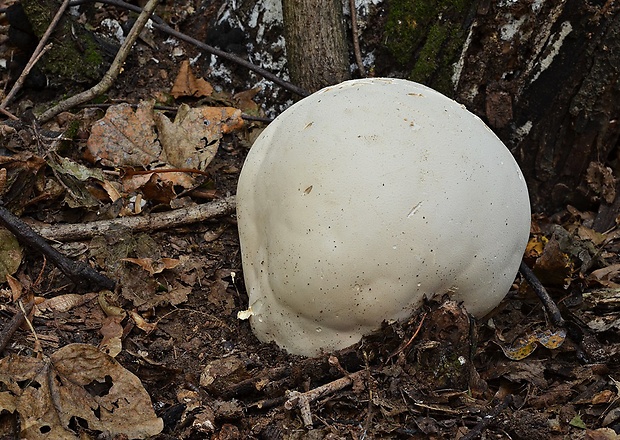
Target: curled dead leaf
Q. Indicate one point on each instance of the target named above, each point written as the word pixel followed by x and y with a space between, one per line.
pixel 107 307
pixel 77 381
pixel 523 347
pixel 63 303
pixel 142 323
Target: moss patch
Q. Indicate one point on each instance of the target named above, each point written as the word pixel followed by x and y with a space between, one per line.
pixel 426 37
pixel 75 55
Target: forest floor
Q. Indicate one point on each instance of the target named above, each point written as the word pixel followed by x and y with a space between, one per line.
pixel 164 355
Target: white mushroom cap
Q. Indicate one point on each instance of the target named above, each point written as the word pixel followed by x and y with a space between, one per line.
pixel 367 196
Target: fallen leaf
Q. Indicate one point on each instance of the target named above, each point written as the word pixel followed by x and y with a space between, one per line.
pixel 601 181
pixel 10 254
pixel 525 346
pixel 77 382
pixel 63 303
pixel 112 332
pixel 16 287
pixel 187 84
pixel 606 276
pixel 154 266
pixel 604 397
pixel 142 323
pixel 124 138
pixel 23 177
pixel 192 140
pixel 601 434
pixel 179 294
pixel 577 422
pixel 104 298
pixel 554 267
pixel 244 101
pixel 161 188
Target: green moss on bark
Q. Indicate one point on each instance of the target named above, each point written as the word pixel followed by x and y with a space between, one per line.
pixel 75 54
pixel 426 37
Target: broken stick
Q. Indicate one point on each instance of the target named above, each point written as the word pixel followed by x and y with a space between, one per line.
pixel 303 400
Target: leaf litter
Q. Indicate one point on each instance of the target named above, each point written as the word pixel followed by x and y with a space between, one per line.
pixel 78 385
pixel 173 320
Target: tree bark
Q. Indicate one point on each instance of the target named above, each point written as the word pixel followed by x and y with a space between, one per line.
pixel 316 47
pixel 546 79
pixel 545 76
pixel 77 55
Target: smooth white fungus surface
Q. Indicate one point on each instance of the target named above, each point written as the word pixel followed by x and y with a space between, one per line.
pixel 365 197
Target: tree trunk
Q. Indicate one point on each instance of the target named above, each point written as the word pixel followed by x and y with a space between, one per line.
pixel 544 76
pixel 546 79
pixel 316 48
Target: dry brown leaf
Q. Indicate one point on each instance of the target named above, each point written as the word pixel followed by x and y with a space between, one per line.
pixel 112 332
pixel 606 275
pixel 178 294
pixel 244 101
pixel 601 180
pixel 77 381
pixel 10 254
pixel 191 141
pixel 153 182
pixel 187 84
pixel 554 267
pixel 124 137
pixel 219 294
pixel 585 233
pixel 63 303
pixel 16 287
pixel 160 188
pixel 604 397
pixel 154 266
pixel 601 434
pixel 142 323
pixel 3 185
pixel 23 177
pixel 111 189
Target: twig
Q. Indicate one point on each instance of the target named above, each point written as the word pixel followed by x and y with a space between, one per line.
pixel 78 272
pixel 112 73
pixel 22 77
pixel 476 431
pixel 303 400
pixel 38 52
pixel 417 330
pixel 9 330
pixel 152 222
pixel 356 39
pixel 541 292
pixel 8 114
pixel 161 25
pixel 230 57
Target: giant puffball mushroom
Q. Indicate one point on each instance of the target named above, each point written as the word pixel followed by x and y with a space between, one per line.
pixel 362 199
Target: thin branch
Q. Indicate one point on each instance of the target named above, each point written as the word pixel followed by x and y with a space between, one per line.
pixel 161 25
pixel 541 292
pixel 152 222
pixel 38 52
pixel 8 114
pixel 230 57
pixel 112 73
pixel 303 400
pixel 356 39
pixel 9 330
pixel 77 271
